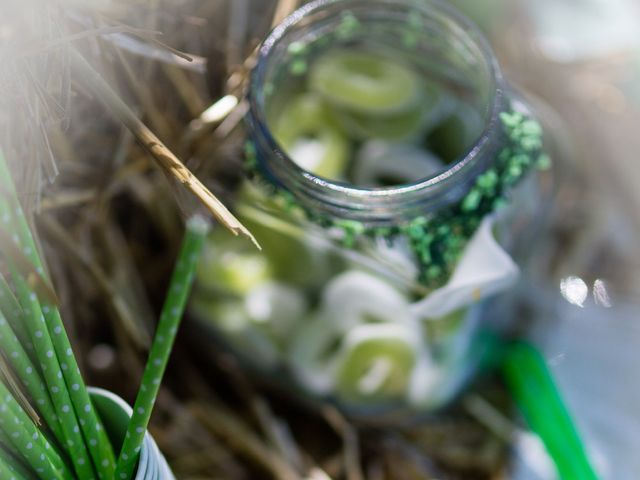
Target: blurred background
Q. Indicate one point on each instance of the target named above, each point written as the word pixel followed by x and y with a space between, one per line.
pixel 582 59
pixel 110 223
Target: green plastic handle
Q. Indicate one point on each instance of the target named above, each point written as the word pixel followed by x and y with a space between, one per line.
pixel 537 396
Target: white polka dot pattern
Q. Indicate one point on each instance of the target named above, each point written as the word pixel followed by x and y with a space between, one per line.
pixel 51 345
pixel 26 438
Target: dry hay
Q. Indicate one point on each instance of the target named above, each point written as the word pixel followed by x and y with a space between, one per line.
pixel 111 222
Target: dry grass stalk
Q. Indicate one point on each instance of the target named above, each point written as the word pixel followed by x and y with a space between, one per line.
pixel 351 443
pixel 226 425
pixel 138 334
pixel 213 431
pixel 165 158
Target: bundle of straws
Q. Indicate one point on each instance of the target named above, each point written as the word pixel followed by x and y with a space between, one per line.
pixel 49 428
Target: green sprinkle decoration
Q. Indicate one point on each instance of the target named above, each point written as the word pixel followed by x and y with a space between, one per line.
pixel 299 67
pixel 471 201
pixel 543 162
pixel 413 33
pixel 349 25
pixel 170 318
pixel 297 48
pixel 438 240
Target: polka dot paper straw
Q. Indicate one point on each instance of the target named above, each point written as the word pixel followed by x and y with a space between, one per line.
pixel 12 470
pixel 28 440
pixel 8 473
pixel 162 345
pixel 52 372
pixel 6 447
pixel 98 443
pixel 5 471
pixel 12 311
pixel 24 368
pixel 59 367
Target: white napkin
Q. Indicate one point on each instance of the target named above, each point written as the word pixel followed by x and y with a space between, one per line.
pixel 484 270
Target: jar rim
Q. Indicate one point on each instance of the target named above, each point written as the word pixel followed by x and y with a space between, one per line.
pixel 350 196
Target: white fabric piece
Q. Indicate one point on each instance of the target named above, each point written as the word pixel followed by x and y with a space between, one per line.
pixel 484 270
pixel 277 308
pixel 308 153
pixel 355 297
pixel 424 379
pixel 312 356
pixel 348 303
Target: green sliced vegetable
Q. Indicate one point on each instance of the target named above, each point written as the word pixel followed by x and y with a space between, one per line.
pixel 230 318
pixel 307 132
pixel 404 126
pixel 365 82
pixel 276 309
pixel 230 266
pixel 397 127
pixel 376 363
pixel 293 253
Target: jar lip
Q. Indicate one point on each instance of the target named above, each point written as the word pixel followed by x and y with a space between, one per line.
pixel 454 169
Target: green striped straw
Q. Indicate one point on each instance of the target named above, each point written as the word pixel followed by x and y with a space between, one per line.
pixel 59 366
pixel 28 440
pixel 172 312
pixel 24 368
pixel 536 394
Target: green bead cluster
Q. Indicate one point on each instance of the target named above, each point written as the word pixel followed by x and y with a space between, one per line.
pixel 349 25
pixel 299 50
pixel 438 240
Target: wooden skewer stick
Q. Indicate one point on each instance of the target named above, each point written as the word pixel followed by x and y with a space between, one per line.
pixel 163 156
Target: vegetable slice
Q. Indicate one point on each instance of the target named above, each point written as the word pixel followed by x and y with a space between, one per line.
pixel 377 363
pixel 308 134
pixel 365 82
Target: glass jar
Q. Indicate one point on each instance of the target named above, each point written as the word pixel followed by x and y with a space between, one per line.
pixel 372 294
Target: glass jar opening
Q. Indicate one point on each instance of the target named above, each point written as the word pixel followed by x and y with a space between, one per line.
pixel 452 112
